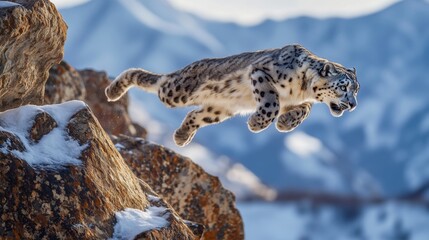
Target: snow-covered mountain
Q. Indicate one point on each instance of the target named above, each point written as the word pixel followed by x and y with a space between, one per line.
pixel 101 33
pixel 382 147
pixel 300 220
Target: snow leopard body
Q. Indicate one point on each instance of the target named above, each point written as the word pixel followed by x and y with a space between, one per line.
pixel 271 84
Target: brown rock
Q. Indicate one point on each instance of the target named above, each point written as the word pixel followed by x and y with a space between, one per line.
pixel 64 84
pixel 10 142
pixel 194 194
pixel 113 116
pixel 31 41
pixel 43 124
pixel 70 201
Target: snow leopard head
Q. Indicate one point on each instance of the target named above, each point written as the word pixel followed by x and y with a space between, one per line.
pixel 337 88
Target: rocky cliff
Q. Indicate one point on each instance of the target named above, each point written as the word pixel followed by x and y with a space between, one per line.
pixel 61 177
pixel 60 174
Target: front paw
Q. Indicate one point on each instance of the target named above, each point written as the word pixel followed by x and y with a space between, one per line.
pixel 257 122
pixel 183 136
pixel 287 122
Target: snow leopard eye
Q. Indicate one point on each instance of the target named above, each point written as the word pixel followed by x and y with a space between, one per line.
pixel 343 88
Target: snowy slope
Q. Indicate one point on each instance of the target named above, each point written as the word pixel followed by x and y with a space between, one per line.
pixel 380 147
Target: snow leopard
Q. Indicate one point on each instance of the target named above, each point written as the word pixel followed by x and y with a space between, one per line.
pixel 281 83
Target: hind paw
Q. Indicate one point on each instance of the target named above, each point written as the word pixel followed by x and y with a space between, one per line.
pixel 183 136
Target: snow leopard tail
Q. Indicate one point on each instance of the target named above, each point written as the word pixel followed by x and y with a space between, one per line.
pixel 146 80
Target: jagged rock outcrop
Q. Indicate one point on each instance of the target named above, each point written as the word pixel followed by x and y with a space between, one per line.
pixel 194 194
pixel 65 84
pixel 31 40
pixel 61 177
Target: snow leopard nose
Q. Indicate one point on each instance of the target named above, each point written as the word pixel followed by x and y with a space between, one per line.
pixel 352 105
pixel 350 101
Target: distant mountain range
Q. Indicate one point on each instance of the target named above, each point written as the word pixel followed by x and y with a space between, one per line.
pixel 380 148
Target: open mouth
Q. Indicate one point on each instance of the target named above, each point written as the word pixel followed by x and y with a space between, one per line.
pixel 344 106
pixel 337 109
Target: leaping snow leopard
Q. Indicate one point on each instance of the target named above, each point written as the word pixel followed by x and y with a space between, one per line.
pixel 278 83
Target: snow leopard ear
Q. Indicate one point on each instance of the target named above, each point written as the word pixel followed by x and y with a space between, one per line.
pixel 353 70
pixel 328 70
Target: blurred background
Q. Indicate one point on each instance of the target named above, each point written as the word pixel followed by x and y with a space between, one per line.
pixel 362 176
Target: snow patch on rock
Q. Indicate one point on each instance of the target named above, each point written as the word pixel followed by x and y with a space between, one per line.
pixel 54 149
pixel 131 222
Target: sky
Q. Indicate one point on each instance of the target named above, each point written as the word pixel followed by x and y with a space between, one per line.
pixel 250 12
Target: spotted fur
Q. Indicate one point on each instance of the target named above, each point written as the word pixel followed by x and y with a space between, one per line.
pixel 276 83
